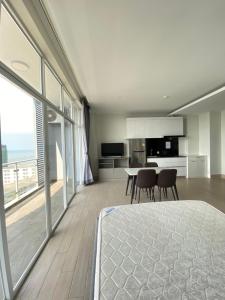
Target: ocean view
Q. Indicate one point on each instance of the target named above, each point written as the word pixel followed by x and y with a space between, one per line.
pixel 19 146
pixel 17 155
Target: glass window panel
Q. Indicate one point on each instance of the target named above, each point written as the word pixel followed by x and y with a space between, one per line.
pixel 17 53
pixel 67 104
pixel 69 160
pixel 55 163
pixel 79 153
pixel 22 158
pixel 53 88
pixel 2 294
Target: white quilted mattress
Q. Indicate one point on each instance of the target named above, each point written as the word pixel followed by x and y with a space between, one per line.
pixel 168 250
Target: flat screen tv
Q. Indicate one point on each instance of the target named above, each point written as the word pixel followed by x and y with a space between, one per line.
pixel 112 149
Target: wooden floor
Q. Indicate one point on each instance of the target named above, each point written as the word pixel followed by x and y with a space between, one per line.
pixel 63 271
pixel 26 227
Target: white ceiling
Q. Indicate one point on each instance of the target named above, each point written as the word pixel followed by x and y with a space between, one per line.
pixel 215 103
pixel 127 54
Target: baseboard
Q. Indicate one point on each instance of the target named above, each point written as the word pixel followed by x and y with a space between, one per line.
pixel 79 188
pixel 218 176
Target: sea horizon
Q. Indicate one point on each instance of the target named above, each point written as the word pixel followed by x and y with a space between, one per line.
pixel 18 155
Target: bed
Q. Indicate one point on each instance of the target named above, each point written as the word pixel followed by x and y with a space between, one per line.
pixel 165 250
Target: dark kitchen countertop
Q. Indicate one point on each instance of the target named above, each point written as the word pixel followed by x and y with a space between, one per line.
pixel 166 156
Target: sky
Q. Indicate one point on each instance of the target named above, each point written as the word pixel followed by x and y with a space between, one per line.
pixel 17 116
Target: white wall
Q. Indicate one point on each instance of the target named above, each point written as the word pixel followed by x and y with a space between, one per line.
pixel 215 143
pixel 189 145
pixel 205 135
pixel 183 146
pixel 192 133
pixel 210 136
pixel 93 147
pixel 111 129
pixel 106 128
pixel 204 138
pixel 223 142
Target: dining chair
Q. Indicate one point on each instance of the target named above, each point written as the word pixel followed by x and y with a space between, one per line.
pixel 146 180
pixel 130 178
pixel 151 164
pixel 167 179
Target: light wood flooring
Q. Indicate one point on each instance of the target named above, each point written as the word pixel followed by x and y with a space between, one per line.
pixel 26 227
pixel 63 270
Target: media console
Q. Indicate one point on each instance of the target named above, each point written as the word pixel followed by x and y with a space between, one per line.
pixel 111 168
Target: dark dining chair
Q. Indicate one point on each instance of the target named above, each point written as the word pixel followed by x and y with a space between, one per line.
pixel 151 164
pixel 130 178
pixel 146 180
pixel 167 179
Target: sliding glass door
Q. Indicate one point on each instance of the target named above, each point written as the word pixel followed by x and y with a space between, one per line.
pixel 24 196
pixel 23 169
pixel 37 178
pixel 69 160
pixel 2 294
pixel 56 173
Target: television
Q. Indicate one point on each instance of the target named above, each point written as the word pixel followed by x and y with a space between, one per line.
pixel 112 149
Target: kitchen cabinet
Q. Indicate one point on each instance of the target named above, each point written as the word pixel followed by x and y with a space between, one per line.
pixel 178 163
pixel 196 166
pixel 155 127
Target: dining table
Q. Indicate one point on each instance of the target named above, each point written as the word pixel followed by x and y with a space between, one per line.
pixel 133 172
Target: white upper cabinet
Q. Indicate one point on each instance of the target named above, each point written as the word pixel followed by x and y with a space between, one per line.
pixel 154 127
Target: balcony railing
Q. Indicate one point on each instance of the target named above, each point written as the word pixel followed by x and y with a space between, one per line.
pixel 20 178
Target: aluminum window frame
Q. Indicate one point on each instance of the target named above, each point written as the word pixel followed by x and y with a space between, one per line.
pixel 10 290
pixel 58 81
pixel 4 251
pixel 70 103
pixel 23 29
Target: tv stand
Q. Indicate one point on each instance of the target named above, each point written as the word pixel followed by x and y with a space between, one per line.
pixel 111 168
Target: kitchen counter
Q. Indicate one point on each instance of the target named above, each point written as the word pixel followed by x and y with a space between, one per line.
pixel 175 162
pixel 166 156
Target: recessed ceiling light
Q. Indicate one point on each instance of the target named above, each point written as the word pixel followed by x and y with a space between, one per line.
pixel 166 97
pixel 19 65
pixel 51 115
